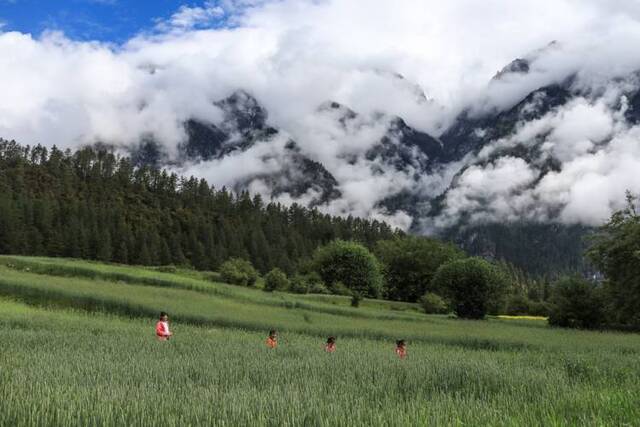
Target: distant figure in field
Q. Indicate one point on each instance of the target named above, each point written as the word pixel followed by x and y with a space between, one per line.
pixel 401 349
pixel 162 327
pixel 331 345
pixel 272 339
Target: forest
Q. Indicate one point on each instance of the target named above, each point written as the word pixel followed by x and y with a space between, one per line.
pixel 95 204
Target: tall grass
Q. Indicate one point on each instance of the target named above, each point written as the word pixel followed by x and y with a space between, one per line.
pixel 197 308
pixel 194 282
pixel 71 368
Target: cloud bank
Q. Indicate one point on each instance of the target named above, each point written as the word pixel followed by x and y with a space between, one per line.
pixel 425 61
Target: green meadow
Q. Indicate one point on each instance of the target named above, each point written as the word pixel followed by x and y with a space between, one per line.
pixel 78 348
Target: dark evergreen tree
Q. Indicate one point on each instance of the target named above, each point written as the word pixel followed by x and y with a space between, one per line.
pixel 93 204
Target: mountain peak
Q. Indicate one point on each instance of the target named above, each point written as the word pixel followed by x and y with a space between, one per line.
pixel 242 112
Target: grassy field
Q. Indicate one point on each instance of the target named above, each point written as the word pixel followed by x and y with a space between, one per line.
pixel 78 349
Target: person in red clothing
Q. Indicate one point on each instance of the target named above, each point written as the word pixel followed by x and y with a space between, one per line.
pixel 272 339
pixel 162 327
pixel 331 345
pixel 401 349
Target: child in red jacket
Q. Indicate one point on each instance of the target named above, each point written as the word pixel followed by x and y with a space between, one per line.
pixel 331 345
pixel 162 327
pixel 401 349
pixel 272 339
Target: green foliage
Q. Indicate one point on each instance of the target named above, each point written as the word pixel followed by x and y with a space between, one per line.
pixel 355 300
pixel 92 204
pixel 615 251
pixel 238 271
pixel 186 280
pixel 474 286
pixel 576 303
pixel 539 308
pixel 318 288
pixel 276 280
pixel 537 248
pixel 433 304
pixel 349 263
pixel 517 304
pixel 299 284
pixel 498 372
pixel 409 264
pixel 339 288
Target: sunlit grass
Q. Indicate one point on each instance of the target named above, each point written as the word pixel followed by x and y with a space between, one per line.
pixel 83 353
pixel 507 317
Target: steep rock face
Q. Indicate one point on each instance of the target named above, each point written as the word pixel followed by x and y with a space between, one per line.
pixel 298 177
pixel 479 137
pixel 633 112
pixel 401 147
pixel 517 66
pixel 404 146
pixel 471 133
pixel 244 123
pixel 243 127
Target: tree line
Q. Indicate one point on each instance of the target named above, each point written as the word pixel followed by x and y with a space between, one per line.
pixel 94 204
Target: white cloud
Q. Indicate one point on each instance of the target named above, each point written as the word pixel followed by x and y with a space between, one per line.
pixel 293 55
pixel 189 17
pixel 493 192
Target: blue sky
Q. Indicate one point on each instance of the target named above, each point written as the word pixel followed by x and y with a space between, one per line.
pixel 104 20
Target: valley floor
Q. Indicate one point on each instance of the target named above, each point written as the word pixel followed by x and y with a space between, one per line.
pixel 78 349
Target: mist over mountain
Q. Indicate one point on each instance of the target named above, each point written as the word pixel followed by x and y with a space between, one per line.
pixel 524 137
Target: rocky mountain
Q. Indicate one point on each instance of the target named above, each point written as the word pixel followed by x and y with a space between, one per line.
pixel 422 174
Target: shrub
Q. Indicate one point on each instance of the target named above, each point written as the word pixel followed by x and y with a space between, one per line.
pixel 518 304
pixel 409 264
pixel 339 288
pixel 615 251
pixel 539 308
pixel 299 284
pixel 349 263
pixel 238 271
pixel 434 304
pixel 576 303
pixel 318 288
pixel 355 299
pixel 276 280
pixel 473 285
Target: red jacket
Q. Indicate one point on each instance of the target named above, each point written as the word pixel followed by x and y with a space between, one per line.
pixel 161 332
pixel 330 347
pixel 401 352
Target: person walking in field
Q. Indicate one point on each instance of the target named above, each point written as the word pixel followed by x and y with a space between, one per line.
pixel 331 345
pixel 401 349
pixel 162 327
pixel 272 339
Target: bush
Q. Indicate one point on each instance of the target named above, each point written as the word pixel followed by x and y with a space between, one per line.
pixel 276 280
pixel 409 264
pixel 473 285
pixel 576 303
pixel 539 308
pixel 318 288
pixel 615 251
pixel 299 284
pixel 339 288
pixel 355 300
pixel 434 304
pixel 238 271
pixel 518 304
pixel 349 263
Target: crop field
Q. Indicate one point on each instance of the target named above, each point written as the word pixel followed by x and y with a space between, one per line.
pixel 78 349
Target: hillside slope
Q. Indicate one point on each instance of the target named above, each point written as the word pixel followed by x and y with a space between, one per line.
pixel 81 351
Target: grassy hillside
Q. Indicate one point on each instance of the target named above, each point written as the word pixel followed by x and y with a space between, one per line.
pixel 78 349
